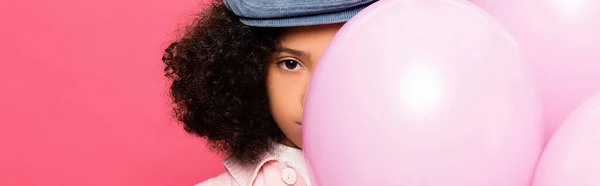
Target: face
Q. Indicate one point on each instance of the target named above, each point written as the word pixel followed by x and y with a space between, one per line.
pixel 289 74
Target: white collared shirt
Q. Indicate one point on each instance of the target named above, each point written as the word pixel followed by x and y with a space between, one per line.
pixel 284 166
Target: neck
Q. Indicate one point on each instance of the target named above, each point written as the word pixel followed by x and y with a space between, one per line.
pixel 289 143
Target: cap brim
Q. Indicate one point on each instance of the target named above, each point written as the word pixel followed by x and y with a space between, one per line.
pixel 318 19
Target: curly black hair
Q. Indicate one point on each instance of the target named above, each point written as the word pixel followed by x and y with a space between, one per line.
pixel 218 73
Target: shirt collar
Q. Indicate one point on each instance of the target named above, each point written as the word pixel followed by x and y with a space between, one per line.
pixel 245 174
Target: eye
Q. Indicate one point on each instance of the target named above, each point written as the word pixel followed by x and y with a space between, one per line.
pixel 290 65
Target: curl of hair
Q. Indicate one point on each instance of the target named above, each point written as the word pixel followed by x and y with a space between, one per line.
pixel 217 70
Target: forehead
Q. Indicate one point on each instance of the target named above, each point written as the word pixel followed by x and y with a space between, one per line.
pixel 309 39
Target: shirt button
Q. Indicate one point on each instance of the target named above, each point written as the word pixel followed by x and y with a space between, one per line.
pixel 289 176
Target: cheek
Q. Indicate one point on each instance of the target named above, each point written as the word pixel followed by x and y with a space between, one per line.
pixel 286 92
pixel 285 88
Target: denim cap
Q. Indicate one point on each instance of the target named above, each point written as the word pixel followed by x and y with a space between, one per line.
pixel 289 13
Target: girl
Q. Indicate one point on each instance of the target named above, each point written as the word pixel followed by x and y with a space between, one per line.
pixel 239 75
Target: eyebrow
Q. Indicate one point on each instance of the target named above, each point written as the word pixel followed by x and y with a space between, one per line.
pixel 293 52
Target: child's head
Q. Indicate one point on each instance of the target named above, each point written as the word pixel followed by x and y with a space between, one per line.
pixel 240 87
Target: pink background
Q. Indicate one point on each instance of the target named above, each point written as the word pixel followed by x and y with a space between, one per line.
pixel 82 96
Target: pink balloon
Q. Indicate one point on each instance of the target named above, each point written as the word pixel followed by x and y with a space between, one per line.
pixel 561 39
pixel 572 156
pixel 422 93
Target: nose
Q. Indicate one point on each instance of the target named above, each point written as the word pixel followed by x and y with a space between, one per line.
pixel 304 96
pixel 305 91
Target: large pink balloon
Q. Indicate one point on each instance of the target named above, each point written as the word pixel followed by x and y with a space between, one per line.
pixel 573 154
pixel 422 93
pixel 561 39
